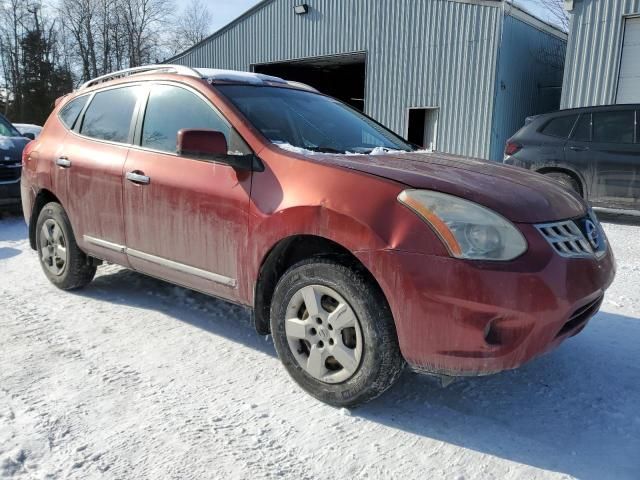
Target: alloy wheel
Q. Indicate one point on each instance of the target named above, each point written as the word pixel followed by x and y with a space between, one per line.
pixel 324 334
pixel 53 247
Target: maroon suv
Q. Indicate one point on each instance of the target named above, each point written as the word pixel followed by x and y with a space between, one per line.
pixel 356 252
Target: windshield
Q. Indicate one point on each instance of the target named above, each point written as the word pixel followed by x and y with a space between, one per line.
pixel 7 130
pixel 310 121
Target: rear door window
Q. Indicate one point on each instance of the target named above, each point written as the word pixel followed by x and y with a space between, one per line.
pixel 582 132
pixel 69 113
pixel 560 127
pixel 109 114
pixel 614 127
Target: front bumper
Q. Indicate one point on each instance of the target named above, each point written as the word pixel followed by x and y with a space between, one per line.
pixel 463 318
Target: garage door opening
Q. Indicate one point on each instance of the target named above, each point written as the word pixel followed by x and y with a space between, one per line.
pixel 341 76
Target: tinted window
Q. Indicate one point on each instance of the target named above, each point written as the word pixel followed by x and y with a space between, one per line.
pixel 109 114
pixel 69 113
pixel 171 109
pixel 7 130
pixel 560 127
pixel 582 132
pixel 614 127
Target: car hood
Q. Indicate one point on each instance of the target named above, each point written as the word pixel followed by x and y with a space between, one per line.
pixel 11 149
pixel 520 195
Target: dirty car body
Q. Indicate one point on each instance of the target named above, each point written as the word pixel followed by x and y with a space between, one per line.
pixel 465 298
pixel 594 150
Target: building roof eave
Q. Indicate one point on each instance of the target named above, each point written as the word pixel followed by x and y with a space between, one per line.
pixel 514 11
pixel 259 6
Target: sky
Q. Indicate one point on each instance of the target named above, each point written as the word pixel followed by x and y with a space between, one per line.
pixel 224 11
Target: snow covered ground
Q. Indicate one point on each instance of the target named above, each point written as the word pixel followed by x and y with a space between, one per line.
pixel 133 378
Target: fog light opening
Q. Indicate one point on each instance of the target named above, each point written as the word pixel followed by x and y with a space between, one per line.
pixel 492 335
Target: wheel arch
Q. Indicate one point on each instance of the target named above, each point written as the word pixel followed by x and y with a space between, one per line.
pixel 571 173
pixel 286 253
pixel 43 197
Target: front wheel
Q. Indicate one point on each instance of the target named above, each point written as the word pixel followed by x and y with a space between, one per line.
pixel 64 264
pixel 334 333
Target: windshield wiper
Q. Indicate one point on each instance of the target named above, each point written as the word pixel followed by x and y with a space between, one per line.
pixel 325 150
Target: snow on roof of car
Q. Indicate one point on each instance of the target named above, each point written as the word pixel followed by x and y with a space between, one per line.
pixel 214 74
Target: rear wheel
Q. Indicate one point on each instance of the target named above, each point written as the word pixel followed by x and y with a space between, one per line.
pixel 64 264
pixel 566 180
pixel 334 333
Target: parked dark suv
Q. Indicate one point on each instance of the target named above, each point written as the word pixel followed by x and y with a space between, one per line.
pixel 12 142
pixel 595 151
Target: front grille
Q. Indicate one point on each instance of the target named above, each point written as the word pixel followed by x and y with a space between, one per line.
pixel 8 174
pixel 566 238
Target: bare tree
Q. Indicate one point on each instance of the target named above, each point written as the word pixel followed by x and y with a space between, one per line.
pixel 80 17
pixel 192 26
pixel 556 12
pixel 144 24
pixel 13 15
pixel 33 71
pixel 107 35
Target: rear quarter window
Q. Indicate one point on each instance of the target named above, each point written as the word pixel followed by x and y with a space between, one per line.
pixel 559 127
pixel 70 112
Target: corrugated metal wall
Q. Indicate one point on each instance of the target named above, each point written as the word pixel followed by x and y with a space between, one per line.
pixel 593 56
pixel 530 71
pixel 420 53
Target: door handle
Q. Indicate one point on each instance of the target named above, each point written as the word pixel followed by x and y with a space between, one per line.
pixel 63 162
pixel 138 178
pixel 579 149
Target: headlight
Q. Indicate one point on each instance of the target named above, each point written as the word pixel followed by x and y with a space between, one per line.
pixel 468 230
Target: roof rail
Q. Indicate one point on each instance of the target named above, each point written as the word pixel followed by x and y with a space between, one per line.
pixel 179 69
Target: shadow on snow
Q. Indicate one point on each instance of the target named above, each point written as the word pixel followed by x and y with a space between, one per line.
pixel 572 411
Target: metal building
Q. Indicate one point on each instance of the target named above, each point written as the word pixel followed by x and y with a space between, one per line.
pixel 603 55
pixel 457 75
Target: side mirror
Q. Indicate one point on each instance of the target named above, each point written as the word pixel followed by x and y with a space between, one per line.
pixel 29 135
pixel 210 145
pixel 201 143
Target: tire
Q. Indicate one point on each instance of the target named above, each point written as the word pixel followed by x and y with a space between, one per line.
pixel 64 264
pixel 343 296
pixel 566 180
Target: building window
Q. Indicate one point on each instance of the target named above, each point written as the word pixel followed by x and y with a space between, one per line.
pixel 423 127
